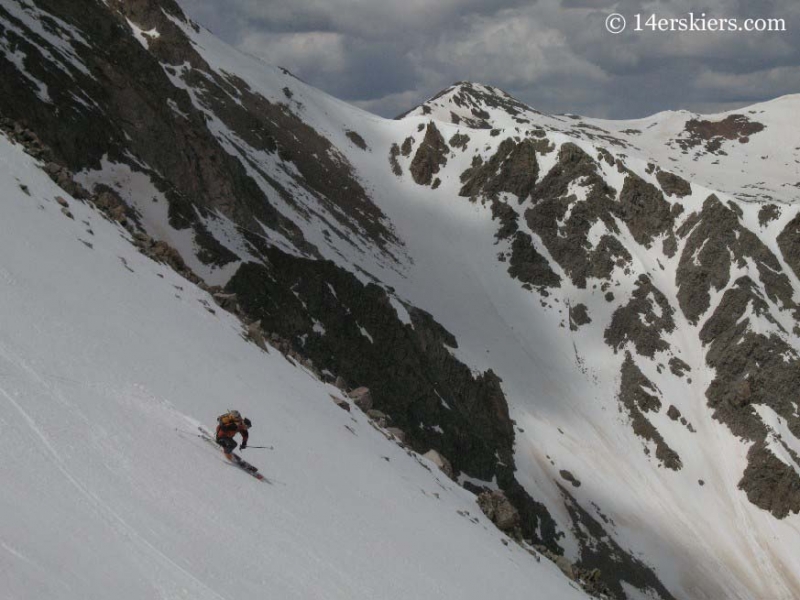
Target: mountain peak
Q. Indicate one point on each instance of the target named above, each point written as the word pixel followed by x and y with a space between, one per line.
pixel 475 105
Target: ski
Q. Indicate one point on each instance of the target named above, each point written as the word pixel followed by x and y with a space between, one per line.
pixel 237 461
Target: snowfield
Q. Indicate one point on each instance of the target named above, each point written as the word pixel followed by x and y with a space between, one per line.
pixel 108 364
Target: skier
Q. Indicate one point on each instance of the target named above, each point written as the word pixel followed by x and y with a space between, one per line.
pixel 228 426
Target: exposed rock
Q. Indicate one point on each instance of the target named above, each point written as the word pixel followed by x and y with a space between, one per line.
pixel 565 566
pixel 340 383
pixel 430 157
pixel 528 265
pixel 380 418
pixel 407 147
pixel 440 461
pixel 604 561
pixel 459 140
pixel 209 250
pixel 566 237
pixel 670 246
pixel 513 169
pixel 356 139
pixel 751 368
pixel 362 398
pixel 673 413
pixel 644 209
pixel 229 302
pixel 499 510
pixel 767 213
pixel 578 316
pixel 644 320
pixel 341 403
pixel 770 483
pixel 678 367
pixel 255 333
pixel 713 133
pixel 508 218
pixel 394 152
pixel 635 396
pixel 789 244
pixel 566 475
pixel 714 239
pixel 605 155
pixel 398 434
pixel 673 185
pixel 411 372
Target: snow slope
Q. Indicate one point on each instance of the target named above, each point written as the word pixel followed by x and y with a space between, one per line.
pixel 109 362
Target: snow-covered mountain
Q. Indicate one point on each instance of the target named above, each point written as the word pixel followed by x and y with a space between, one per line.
pixel 597 318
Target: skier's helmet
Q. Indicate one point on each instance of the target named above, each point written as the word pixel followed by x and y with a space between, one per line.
pixel 247 423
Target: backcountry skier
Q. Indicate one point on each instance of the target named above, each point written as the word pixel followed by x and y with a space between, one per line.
pixel 228 425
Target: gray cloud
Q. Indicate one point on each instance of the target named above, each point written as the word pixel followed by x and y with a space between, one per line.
pixel 555 55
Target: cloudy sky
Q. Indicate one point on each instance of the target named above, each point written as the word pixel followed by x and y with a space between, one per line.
pixel 388 55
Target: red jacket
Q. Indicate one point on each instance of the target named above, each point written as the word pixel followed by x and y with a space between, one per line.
pixel 228 431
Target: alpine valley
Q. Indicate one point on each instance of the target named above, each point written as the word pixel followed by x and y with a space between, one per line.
pixel 567 349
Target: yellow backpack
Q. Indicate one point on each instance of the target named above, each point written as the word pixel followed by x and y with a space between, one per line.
pixel 230 418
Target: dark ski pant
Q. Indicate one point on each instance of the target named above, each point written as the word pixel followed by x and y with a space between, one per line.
pixel 228 444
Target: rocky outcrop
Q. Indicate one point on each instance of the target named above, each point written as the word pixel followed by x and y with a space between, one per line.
pixel 530 267
pixel 712 134
pixel 770 483
pixel 362 398
pixel 767 213
pixel 567 476
pixel 563 223
pixel 603 563
pixel 118 101
pixel 394 152
pixel 644 210
pixel 789 244
pixel 644 321
pixel 578 316
pixel 639 396
pixel 459 140
pixel 414 379
pixel 356 139
pixel 673 185
pixel 753 368
pixel 512 169
pixel 440 461
pixel 715 238
pixel 430 157
pixel 678 367
pixel 499 510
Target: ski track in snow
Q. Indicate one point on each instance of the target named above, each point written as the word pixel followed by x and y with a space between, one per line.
pixel 112 517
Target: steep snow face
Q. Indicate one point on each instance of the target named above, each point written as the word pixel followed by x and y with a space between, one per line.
pixel 702 534
pixel 644 332
pixel 109 364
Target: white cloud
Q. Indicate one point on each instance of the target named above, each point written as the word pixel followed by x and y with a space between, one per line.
pixel 554 54
pixel 511 48
pixel 301 53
